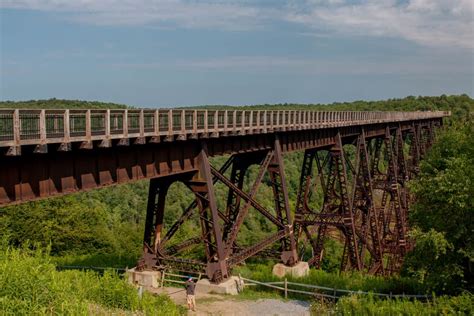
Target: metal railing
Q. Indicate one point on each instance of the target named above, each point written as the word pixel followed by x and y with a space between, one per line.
pixel 25 127
pixel 287 287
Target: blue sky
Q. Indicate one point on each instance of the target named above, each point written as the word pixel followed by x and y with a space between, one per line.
pixel 188 52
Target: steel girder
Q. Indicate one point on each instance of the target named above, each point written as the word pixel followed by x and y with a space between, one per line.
pixel 367 203
pixel 337 208
pixel 219 230
pixel 372 212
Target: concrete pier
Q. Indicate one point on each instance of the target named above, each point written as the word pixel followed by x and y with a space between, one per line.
pixel 144 278
pixel 230 286
pixel 301 269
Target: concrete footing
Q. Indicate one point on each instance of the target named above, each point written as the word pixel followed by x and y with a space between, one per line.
pixel 300 269
pixel 230 286
pixel 144 278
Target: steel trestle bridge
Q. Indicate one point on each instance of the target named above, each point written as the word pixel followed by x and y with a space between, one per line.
pixel 45 153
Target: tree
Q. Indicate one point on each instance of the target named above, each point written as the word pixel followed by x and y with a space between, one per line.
pixel 443 214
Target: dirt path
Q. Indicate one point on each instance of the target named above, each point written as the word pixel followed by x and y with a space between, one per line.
pixel 214 304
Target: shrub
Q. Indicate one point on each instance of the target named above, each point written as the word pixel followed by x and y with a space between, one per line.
pixel 354 305
pixel 30 283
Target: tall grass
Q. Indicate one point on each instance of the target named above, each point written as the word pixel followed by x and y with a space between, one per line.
pixel 368 305
pixel 96 260
pixel 30 284
pixel 347 281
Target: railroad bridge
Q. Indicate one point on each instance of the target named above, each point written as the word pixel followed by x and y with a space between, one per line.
pixel 45 153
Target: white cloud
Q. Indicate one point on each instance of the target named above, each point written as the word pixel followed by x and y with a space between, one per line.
pixel 442 23
pixel 167 13
pixel 433 65
pixel 428 22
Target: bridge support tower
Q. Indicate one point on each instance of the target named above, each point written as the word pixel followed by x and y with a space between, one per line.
pixel 365 199
pixel 220 227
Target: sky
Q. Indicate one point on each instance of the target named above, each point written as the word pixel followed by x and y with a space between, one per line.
pixel 165 53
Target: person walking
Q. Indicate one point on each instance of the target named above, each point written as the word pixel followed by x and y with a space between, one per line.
pixel 190 290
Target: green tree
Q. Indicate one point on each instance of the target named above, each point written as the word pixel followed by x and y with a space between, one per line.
pixel 443 214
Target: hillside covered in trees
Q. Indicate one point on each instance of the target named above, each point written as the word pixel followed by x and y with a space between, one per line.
pixel 460 105
pixel 105 227
pixel 59 104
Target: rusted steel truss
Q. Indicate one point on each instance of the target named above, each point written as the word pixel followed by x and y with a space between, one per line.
pixel 220 229
pixel 367 202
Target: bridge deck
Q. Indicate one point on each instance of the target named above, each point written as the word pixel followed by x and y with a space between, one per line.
pixel 40 127
pixel 51 152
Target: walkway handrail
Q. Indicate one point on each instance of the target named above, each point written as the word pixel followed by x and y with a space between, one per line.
pixel 273 285
pixel 334 291
pixel 30 126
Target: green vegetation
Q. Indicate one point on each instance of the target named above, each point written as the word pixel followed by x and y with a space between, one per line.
pixel 368 305
pixel 30 284
pixel 354 281
pixel 83 227
pixel 443 215
pixel 105 227
pixel 59 104
pixel 461 106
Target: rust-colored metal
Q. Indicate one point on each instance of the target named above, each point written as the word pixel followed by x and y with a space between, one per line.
pixel 53 152
pixel 337 208
pixel 219 230
pixel 374 229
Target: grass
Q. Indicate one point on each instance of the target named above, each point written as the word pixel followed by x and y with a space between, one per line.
pixel 251 294
pixel 348 281
pixel 368 305
pixel 360 305
pixel 96 260
pixel 30 284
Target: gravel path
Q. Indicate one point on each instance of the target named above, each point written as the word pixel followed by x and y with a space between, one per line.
pixel 260 307
pixel 214 304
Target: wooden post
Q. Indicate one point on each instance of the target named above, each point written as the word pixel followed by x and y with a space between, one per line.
pixel 251 122
pixel 234 125
pixel 183 122
pixel 15 150
pixel 278 119
pixel 125 123
pixel 225 121
pixel 106 142
pixel 182 125
pixel 206 127
pixel 286 288
pixel 157 123
pixel 141 123
pixel 107 124
pixel 195 122
pixel 67 131
pixel 283 119
pixel 258 121
pixel 42 127
pixel 88 126
pixel 264 121
pixel 272 123
pixel 170 123
pixel 300 121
